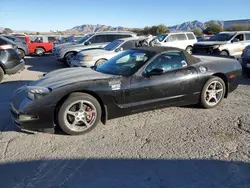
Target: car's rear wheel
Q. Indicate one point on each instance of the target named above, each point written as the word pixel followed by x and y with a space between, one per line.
pixel 213 92
pixel 68 57
pixel 21 52
pixel 40 51
pixel 100 62
pixel 224 53
pixel 189 49
pixel 79 114
pixel 1 74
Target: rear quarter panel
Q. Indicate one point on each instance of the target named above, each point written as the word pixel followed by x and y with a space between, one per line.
pixel 229 67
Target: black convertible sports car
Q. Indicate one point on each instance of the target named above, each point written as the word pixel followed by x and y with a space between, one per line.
pixel 135 80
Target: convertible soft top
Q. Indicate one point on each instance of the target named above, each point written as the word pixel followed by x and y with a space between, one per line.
pixel 157 50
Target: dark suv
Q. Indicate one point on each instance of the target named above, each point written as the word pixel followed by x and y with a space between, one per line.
pixel 11 60
pixel 21 45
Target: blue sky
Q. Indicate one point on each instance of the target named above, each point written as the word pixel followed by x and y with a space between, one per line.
pixel 46 15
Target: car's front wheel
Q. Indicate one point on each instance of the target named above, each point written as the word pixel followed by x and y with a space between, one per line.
pixel 69 57
pixel 79 114
pixel 224 53
pixel 213 92
pixel 100 62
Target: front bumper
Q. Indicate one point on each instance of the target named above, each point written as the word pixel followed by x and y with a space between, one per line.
pixel 19 67
pixel 206 50
pixel 28 114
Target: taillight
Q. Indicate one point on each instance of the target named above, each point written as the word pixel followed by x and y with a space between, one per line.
pixel 6 47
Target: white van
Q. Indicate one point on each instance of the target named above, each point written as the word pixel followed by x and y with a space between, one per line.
pixel 182 40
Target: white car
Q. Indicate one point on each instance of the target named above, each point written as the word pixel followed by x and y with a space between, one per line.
pixel 96 57
pixel 182 40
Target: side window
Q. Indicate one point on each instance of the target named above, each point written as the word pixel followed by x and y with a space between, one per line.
pixel 51 39
pixel 171 38
pixel 190 36
pixel 110 38
pixel 123 36
pixel 168 61
pixel 127 45
pixel 240 37
pixel 2 42
pixel 98 39
pixel 181 37
pixel 247 36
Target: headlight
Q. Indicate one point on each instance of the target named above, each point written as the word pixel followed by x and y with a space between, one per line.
pixel 86 58
pixel 216 46
pixel 35 93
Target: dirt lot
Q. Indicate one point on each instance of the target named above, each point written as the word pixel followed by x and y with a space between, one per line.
pixel 174 147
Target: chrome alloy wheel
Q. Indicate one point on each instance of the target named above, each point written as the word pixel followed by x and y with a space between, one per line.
pixel 80 115
pixel 214 93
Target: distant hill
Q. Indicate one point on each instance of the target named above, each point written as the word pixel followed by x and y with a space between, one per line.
pixel 88 28
pixel 197 24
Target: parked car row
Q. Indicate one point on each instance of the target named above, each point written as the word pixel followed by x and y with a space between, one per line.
pixel 68 51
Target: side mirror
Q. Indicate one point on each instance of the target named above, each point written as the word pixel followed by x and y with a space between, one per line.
pixel 154 72
pixel 184 64
pixel 87 43
pixel 235 40
pixel 118 49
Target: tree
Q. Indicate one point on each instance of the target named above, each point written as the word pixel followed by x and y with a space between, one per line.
pixel 7 31
pixel 197 31
pixel 105 29
pixel 154 30
pixel 159 29
pixel 213 28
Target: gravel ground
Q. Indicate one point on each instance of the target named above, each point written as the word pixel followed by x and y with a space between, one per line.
pixel 173 147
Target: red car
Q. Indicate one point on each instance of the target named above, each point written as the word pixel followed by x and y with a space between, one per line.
pixel 37 46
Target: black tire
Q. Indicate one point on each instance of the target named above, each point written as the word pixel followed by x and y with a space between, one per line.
pixel 40 51
pixel 21 52
pixel 100 62
pixel 69 102
pixel 1 74
pixel 189 49
pixel 69 56
pixel 224 53
pixel 203 101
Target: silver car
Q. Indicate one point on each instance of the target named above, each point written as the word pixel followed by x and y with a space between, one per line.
pixel 224 43
pixel 68 51
pixel 96 57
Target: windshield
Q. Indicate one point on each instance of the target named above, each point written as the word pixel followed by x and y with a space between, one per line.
pixel 83 39
pixel 161 37
pixel 126 63
pixel 221 37
pixel 113 45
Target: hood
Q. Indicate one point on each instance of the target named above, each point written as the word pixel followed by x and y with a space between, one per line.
pixel 210 43
pixel 96 52
pixel 67 76
pixel 63 44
